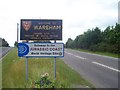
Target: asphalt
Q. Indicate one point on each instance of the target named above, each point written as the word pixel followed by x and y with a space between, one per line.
pixel 4 51
pixel 101 71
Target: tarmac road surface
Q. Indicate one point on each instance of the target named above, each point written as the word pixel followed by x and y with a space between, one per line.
pixel 101 71
pixel 4 51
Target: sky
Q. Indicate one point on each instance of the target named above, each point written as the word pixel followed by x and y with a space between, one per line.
pixel 77 15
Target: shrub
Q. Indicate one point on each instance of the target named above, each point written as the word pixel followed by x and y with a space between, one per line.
pixel 45 82
pixel 94 48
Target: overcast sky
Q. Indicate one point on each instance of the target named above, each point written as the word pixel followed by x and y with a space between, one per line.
pixel 78 15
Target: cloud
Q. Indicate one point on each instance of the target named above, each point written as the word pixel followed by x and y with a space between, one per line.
pixel 77 15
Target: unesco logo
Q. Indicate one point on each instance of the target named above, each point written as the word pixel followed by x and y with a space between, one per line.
pixel 23 49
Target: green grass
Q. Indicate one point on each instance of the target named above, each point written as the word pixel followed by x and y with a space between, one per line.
pixel 100 53
pixel 14 76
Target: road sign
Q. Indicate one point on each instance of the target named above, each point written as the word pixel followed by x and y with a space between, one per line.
pixel 40 49
pixel 41 29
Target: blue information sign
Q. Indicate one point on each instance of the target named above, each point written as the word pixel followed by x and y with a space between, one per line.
pixel 23 49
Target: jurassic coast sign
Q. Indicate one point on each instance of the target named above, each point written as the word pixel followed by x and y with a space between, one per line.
pixel 40 49
pixel 41 29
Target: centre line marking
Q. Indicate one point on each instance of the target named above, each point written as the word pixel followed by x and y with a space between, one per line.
pixel 106 66
pixel 75 55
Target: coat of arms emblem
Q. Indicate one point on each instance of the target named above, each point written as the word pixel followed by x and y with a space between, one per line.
pixel 26 25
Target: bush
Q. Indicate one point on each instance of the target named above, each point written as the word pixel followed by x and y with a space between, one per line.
pixel 104 47
pixel 94 48
pixel 45 82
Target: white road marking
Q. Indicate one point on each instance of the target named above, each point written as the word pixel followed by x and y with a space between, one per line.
pixel 111 68
pixel 76 56
pixel 106 66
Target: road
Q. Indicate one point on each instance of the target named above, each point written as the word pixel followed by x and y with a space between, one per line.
pixel 101 71
pixel 4 51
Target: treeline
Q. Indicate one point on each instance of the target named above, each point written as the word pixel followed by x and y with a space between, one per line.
pixel 98 40
pixel 3 43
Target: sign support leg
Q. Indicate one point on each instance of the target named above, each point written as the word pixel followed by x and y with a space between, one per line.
pixel 17 32
pixel 26 69
pixel 55 66
pixel 26 66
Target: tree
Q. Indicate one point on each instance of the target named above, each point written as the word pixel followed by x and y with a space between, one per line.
pixel 0 42
pixel 16 44
pixel 69 43
pixel 4 43
pixel 97 40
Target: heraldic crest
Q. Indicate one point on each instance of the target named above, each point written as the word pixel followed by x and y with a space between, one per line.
pixel 26 25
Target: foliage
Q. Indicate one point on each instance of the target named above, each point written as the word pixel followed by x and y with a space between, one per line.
pixel 69 43
pixel 3 43
pixel 45 82
pixel 16 44
pixel 97 40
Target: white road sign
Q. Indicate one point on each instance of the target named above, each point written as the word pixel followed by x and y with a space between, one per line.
pixel 41 49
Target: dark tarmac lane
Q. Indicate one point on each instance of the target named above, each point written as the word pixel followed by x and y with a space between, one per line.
pixel 4 51
pixel 101 71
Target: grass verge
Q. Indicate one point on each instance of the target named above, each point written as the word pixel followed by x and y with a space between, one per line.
pixel 100 53
pixel 14 74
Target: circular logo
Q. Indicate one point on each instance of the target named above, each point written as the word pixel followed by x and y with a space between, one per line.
pixel 23 49
pixel 60 53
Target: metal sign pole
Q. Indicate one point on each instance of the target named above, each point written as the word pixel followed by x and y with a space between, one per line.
pixel 17 32
pixel 26 67
pixel 55 65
